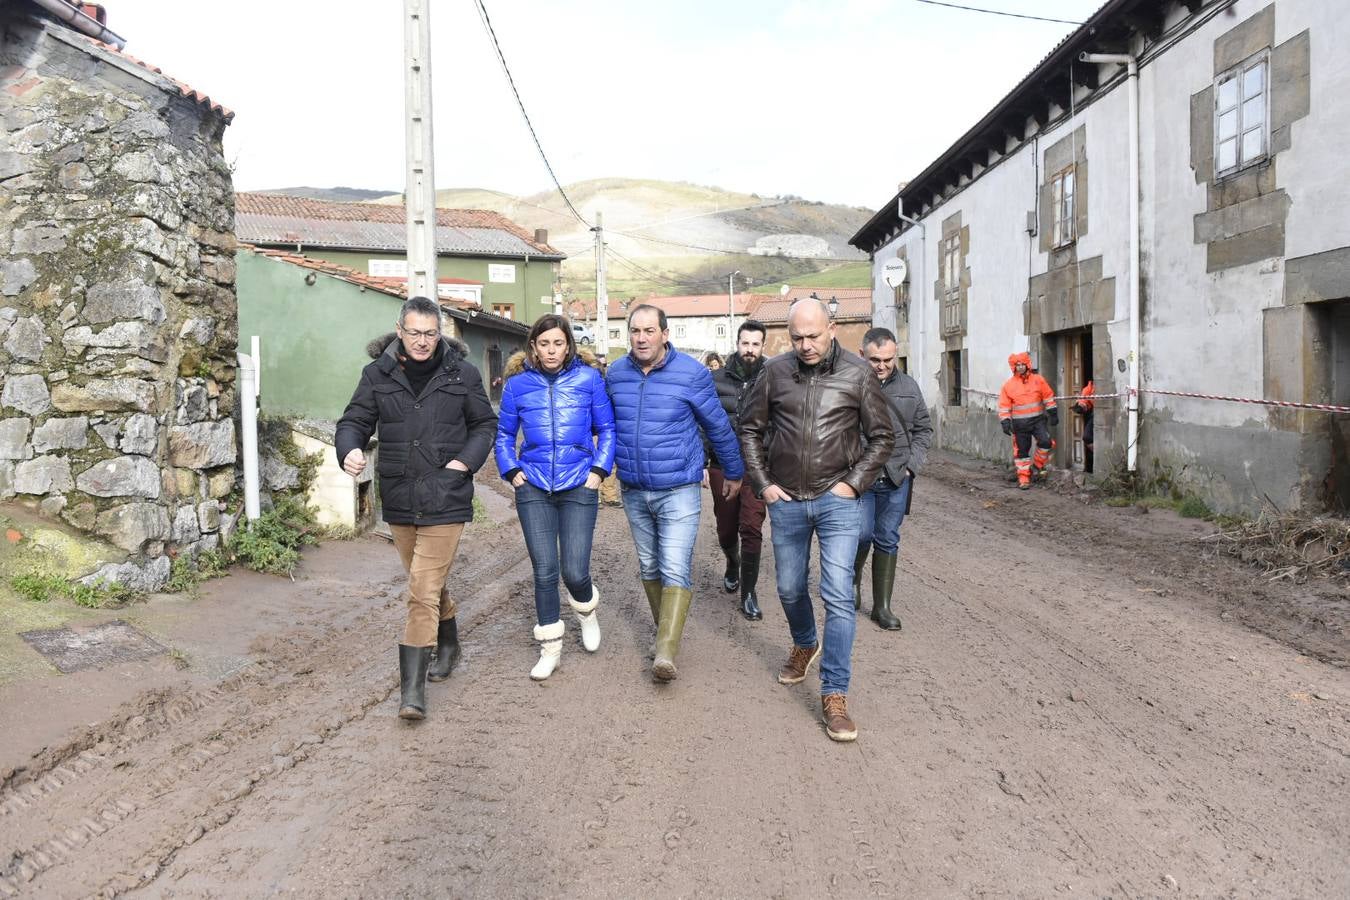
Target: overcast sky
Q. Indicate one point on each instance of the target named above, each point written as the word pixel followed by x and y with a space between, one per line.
pixel 834 100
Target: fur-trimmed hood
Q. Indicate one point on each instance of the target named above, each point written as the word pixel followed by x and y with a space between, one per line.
pixel 519 362
pixel 457 349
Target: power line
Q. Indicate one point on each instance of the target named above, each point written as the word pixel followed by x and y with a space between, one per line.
pixel 487 23
pixel 998 12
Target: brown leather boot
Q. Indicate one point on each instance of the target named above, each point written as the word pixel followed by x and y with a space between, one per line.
pixel 838 725
pixel 798 661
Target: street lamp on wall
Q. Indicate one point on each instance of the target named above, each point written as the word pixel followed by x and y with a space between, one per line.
pixel 832 304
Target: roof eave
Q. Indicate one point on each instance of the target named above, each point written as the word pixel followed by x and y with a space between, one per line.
pixel 1067 49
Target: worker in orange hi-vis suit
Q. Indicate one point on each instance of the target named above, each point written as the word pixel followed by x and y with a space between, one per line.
pixel 1024 406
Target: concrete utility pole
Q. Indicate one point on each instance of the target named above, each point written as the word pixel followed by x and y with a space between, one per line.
pixel 420 189
pixel 601 294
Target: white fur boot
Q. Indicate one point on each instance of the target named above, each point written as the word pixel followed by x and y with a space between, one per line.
pixel 590 623
pixel 550 649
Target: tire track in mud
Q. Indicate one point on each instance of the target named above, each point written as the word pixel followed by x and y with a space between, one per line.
pixel 204 751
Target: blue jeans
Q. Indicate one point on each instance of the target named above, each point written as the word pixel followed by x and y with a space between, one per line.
pixel 883 512
pixel 835 522
pixel 664 525
pixel 566 520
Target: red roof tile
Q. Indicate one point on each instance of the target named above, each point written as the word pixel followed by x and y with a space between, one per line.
pixel 286 206
pixel 855 304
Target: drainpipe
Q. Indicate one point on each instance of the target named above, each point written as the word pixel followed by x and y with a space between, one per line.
pixel 81 22
pixel 1132 69
pixel 916 297
pixel 248 417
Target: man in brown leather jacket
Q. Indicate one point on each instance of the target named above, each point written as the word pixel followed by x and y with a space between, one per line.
pixel 802 432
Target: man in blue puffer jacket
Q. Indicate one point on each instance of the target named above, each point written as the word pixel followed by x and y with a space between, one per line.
pixel 662 397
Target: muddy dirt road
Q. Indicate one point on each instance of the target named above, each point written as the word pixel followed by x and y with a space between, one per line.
pixel 1080 704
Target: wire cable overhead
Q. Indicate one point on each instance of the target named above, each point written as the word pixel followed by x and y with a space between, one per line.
pixel 998 12
pixel 487 24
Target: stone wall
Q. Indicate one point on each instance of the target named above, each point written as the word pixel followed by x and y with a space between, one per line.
pixel 117 305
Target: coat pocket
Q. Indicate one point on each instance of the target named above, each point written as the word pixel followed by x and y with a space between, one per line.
pixel 444 491
pixel 389 398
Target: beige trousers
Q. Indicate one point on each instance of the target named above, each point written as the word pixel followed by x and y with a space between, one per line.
pixel 427 552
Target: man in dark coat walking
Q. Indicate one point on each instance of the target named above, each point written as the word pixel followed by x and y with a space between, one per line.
pixel 740 517
pixel 436 428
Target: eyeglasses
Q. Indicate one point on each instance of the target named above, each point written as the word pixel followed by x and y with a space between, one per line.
pixel 435 333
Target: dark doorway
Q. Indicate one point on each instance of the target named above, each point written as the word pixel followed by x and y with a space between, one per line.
pixel 1337 324
pixel 494 360
pixel 1074 349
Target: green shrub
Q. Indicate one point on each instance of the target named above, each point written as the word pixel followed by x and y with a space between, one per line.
pixel 479 511
pixel 101 594
pixel 1192 507
pixel 271 543
pixel 187 572
pixel 39 587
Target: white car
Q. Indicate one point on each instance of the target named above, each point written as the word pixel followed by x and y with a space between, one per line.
pixel 582 334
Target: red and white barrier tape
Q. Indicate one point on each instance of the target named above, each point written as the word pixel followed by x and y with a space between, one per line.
pixel 1285 404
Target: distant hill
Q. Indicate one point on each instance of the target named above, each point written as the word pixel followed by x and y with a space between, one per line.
pixel 333 194
pixel 676 238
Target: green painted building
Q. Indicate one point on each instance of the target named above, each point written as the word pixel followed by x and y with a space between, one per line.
pixel 314 319
pixel 483 256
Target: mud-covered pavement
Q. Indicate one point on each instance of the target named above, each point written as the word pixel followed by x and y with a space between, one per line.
pixel 1080 703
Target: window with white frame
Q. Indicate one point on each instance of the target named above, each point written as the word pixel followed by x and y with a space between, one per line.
pixel 721 331
pixel 1242 115
pixel 679 331
pixel 387 268
pixel 1064 231
pixel 950 259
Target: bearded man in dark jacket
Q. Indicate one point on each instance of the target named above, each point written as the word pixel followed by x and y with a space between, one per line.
pixel 436 428
pixel 740 518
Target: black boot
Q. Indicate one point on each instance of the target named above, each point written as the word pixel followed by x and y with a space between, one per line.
pixel 447 650
pixel 412 676
pixel 859 561
pixel 731 578
pixel 883 583
pixel 749 578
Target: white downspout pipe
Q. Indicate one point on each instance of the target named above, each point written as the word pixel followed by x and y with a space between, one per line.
pixel 81 23
pixel 1132 69
pixel 916 297
pixel 248 418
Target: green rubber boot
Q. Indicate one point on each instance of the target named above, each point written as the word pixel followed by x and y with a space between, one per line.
pixel 859 562
pixel 653 589
pixel 669 630
pixel 883 582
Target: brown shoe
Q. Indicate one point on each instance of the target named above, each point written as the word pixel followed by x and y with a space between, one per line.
pixel 838 725
pixel 799 660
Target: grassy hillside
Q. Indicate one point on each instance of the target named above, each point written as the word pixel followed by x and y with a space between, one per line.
pixel 674 237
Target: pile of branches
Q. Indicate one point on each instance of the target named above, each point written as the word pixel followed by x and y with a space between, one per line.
pixel 1290 547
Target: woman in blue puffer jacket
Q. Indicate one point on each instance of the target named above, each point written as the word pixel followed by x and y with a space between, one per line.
pixel 558 400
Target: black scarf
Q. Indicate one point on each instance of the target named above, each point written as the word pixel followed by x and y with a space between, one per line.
pixel 419 373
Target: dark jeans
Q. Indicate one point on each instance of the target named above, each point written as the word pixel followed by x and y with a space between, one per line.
pixel 742 515
pixel 883 512
pixel 563 520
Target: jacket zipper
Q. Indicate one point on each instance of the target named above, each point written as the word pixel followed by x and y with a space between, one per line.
pixel 553 440
pixel 637 445
pixel 810 401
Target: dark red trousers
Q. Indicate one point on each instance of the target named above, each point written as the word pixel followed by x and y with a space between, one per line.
pixel 742 515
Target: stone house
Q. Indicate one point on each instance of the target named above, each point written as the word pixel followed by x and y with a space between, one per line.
pixel 117 307
pixel 699 323
pixel 515 272
pixel 851 320
pixel 1024 241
